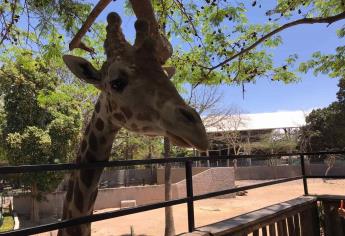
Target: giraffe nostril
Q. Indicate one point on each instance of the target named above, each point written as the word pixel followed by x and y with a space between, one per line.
pixel 187 115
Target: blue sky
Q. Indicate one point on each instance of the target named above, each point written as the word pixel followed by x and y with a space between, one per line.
pixel 265 95
pixel 310 92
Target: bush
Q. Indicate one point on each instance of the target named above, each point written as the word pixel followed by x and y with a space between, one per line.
pixel 7 223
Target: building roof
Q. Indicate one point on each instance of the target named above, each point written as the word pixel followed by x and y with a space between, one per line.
pixel 258 121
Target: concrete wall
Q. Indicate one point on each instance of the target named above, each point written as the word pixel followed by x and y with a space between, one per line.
pixel 177 174
pixel 320 169
pixel 266 172
pixel 112 197
pixel 52 205
pixel 118 178
pixel 276 172
pixel 211 180
pixel 106 198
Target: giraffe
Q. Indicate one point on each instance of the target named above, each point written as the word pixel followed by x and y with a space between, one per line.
pixel 135 94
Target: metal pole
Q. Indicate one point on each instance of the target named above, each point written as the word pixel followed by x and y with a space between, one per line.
pixel 305 183
pixel 190 201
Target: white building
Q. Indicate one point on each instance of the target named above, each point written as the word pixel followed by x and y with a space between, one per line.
pixel 259 121
pixel 244 133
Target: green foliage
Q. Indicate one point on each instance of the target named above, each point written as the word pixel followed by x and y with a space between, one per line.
pixel 210 32
pixel 7 223
pixel 276 143
pixel 36 19
pixel 38 127
pixel 130 145
pixel 325 129
pixel 32 146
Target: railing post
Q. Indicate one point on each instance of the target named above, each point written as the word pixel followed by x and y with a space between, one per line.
pixel 190 201
pixel 305 183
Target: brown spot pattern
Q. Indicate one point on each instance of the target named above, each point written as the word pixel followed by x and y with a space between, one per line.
pixel 98 107
pixel 78 197
pixel 102 140
pixel 148 115
pixel 93 141
pixel 87 176
pixel 110 108
pixel 119 117
pixel 65 211
pixel 83 146
pixel 75 230
pixel 128 113
pixel 89 156
pixel 160 103
pixel 134 127
pixel 114 105
pixel 70 189
pixel 99 124
pixel 144 116
pixel 92 199
pixel 87 129
pixel 147 128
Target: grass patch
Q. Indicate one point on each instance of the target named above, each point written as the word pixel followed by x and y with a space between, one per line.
pixel 7 224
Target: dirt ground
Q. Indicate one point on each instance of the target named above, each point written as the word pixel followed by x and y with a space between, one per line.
pixel 151 223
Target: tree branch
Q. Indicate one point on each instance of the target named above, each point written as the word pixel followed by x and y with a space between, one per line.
pixel 76 41
pixel 328 20
pixel 11 23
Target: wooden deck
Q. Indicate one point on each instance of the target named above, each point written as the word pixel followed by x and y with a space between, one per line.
pixel 303 216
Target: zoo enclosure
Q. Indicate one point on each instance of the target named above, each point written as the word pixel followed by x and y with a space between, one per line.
pixel 189 199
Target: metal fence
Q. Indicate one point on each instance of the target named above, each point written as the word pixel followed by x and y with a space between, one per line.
pixel 189 199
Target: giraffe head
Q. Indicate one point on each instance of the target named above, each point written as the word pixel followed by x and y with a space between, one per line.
pixel 136 91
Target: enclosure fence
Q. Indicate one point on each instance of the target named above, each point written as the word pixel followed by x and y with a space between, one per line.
pixel 189 199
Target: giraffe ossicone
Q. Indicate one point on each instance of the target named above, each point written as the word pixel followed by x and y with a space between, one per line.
pixel 136 94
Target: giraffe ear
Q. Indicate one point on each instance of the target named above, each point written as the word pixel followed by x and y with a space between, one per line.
pixel 169 70
pixel 83 69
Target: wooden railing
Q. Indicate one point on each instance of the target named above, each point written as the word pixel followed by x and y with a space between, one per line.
pixel 297 217
pixel 332 224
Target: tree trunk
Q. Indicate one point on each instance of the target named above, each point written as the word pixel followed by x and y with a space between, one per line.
pixel 169 215
pixel 34 213
pixel 228 154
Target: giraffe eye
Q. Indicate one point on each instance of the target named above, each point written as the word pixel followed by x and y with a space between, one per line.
pixel 120 83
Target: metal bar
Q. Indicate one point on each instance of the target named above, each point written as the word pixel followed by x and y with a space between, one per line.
pixel 93 165
pixel 248 187
pixel 326 177
pixel 118 213
pixel 60 167
pixel 91 218
pixel 189 185
pixel 190 201
pixel 305 183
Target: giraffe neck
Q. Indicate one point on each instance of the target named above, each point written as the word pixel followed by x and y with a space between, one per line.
pixel 83 184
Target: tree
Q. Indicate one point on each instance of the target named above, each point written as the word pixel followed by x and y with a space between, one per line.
pixel 129 145
pixel 169 229
pixel 41 17
pixel 276 141
pixel 230 133
pixel 325 129
pixel 40 126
